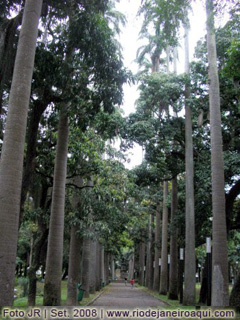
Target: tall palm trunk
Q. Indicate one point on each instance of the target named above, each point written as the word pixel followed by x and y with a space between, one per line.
pixel 156 280
pixel 131 266
pixel 141 260
pixel 86 254
pixel 74 266
pixel 149 264
pixel 190 260
pixel 98 266
pixel 112 267
pixel 173 272
pixel 75 253
pixel 164 251
pixel 86 262
pixel 103 276
pixel 106 267
pixel 219 255
pixel 11 165
pixel 52 287
pixel 93 271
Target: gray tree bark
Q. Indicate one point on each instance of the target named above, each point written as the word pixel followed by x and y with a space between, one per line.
pixel 106 267
pixel 11 166
pixel 220 295
pixel 92 280
pixel 98 266
pixel 141 261
pixel 149 263
pixel 103 276
pixel 131 267
pixel 164 252
pixel 190 259
pixel 112 267
pixel 86 262
pixel 74 267
pixel 173 272
pixel 74 254
pixel 52 284
pixel 156 276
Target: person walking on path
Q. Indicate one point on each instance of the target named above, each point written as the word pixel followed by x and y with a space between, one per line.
pixel 132 282
pixel 125 280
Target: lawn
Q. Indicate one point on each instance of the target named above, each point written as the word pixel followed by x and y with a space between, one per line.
pixel 21 301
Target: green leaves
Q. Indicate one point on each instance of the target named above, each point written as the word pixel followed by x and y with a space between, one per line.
pixel 232 67
pixel 166 17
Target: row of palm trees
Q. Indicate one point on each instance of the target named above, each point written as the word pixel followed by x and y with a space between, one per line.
pixel 159 16
pixel 12 156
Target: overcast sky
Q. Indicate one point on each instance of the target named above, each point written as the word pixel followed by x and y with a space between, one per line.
pixel 130 43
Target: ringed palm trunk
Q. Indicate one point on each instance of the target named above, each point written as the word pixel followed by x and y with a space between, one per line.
pixel 86 262
pixel 141 260
pixel 11 165
pixel 74 254
pixel 149 264
pixel 190 260
pixel 93 266
pixel 74 266
pixel 131 266
pixel 103 276
pixel 106 267
pixel 156 280
pixel 219 233
pixel 52 287
pixel 164 251
pixel 87 255
pixel 98 266
pixel 173 272
pixel 112 267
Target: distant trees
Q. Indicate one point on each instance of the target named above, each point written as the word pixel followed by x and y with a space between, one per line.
pixel 154 131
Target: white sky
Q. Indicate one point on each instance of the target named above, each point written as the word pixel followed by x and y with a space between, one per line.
pixel 130 43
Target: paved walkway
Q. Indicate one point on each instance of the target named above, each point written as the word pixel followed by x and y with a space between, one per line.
pixel 121 295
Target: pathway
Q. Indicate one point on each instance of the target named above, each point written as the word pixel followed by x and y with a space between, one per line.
pixel 120 295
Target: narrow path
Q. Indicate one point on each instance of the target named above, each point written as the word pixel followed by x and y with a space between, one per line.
pixel 121 295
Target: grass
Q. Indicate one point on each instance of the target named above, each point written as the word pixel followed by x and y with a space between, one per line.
pixel 172 303
pixel 23 301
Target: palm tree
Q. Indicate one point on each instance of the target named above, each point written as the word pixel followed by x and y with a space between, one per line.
pixel 75 251
pixel 219 234
pixel 86 262
pixel 156 280
pixel 86 252
pixel 141 260
pixel 74 266
pixel 173 272
pixel 190 260
pixel 52 284
pixel 164 251
pixel 11 166
pixel 149 263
